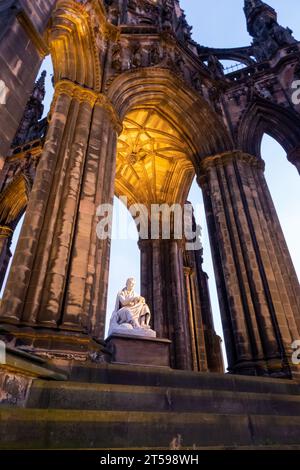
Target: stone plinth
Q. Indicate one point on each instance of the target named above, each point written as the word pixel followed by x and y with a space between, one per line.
pixel 139 350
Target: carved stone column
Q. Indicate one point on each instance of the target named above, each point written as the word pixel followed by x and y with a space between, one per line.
pixel 257 285
pixel 206 344
pixel 58 279
pixel 213 342
pixel 163 286
pixel 196 327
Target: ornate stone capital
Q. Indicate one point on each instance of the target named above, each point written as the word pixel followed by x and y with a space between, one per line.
pixel 188 271
pixel 223 159
pixel 82 94
pixel 5 232
pixel 105 103
pixel 65 87
pixel 111 32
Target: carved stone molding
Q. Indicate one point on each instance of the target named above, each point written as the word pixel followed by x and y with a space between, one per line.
pixel 93 98
pixel 5 232
pixel 225 158
pixel 105 103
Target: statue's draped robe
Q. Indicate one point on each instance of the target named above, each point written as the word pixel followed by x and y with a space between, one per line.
pixel 129 316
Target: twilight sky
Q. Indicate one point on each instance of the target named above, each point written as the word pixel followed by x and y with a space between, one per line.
pixel 218 24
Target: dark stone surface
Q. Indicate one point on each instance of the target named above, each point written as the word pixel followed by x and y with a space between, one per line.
pixel 135 350
pixel 156 376
pixel 73 429
pixel 115 397
pixel 201 410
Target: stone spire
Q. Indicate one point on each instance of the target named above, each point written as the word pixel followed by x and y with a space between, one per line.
pixel 33 112
pixel 39 90
pixel 268 35
pixel 253 8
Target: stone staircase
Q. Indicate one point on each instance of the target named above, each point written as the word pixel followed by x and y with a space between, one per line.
pixel 114 407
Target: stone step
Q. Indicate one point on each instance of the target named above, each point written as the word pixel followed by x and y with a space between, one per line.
pixel 164 377
pixel 110 397
pixel 72 429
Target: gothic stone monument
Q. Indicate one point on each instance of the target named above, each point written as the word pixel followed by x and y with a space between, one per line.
pixel 139 110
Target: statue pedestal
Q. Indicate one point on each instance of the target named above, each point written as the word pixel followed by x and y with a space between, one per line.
pixel 139 350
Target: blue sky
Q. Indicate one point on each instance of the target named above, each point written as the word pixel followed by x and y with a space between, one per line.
pixel 221 24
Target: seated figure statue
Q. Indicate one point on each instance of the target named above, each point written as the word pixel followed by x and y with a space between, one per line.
pixel 131 315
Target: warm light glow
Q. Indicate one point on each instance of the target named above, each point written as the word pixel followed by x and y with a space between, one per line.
pixel 152 162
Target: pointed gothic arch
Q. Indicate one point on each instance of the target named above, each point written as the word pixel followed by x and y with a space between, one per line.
pixel 263 117
pixel 187 110
pixel 73 40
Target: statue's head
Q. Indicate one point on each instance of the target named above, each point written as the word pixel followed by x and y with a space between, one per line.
pixel 130 283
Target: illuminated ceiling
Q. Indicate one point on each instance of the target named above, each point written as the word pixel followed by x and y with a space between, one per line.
pixel 152 160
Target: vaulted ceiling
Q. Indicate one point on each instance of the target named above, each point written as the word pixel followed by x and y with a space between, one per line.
pixel 152 160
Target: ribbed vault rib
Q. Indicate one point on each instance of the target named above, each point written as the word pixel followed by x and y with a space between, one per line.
pixel 152 164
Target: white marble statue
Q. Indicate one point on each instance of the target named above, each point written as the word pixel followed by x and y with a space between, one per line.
pixel 131 315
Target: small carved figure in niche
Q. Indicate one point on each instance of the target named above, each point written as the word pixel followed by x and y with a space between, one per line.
pixel 154 55
pixel 167 60
pixel 179 62
pixel 196 82
pixel 28 168
pixel 186 28
pixel 214 96
pixel 149 14
pixel 113 12
pixel 136 58
pixel 262 91
pixel 116 58
pixel 167 23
